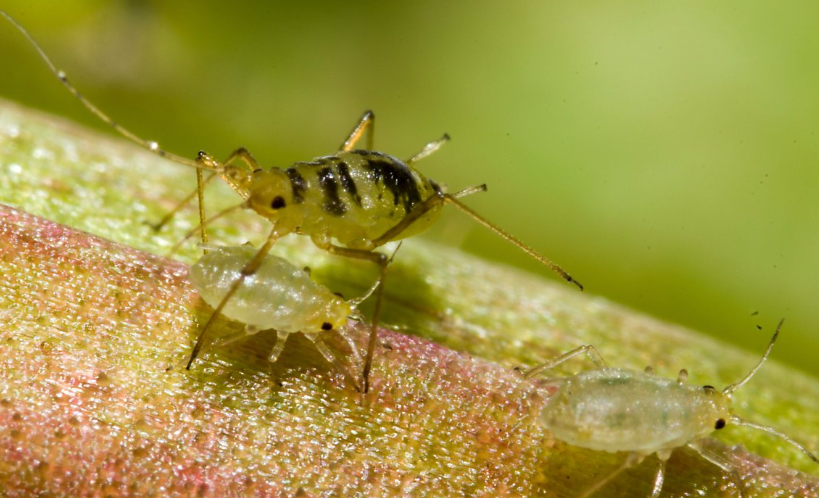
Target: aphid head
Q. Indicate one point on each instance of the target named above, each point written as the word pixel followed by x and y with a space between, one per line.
pixel 723 419
pixel 716 412
pixel 271 195
pixel 332 316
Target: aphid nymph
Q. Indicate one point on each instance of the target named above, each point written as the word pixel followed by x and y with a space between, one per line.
pixel 277 296
pixel 621 410
pixel 349 203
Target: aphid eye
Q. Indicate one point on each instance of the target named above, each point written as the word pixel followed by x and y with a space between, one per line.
pixel 720 423
pixel 709 389
pixel 326 326
pixel 278 202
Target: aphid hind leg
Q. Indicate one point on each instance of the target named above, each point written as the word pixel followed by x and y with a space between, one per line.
pixel 330 357
pixel 366 124
pixel 588 350
pixel 442 198
pixel 249 269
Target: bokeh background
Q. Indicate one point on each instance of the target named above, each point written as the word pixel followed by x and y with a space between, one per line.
pixel 664 153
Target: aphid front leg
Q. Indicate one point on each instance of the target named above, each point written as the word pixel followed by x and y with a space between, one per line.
pixel 248 270
pixel 588 350
pixel 719 461
pixel 281 338
pixel 331 358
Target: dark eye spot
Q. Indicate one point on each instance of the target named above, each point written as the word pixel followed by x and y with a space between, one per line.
pixel 709 389
pixel 720 423
pixel 278 202
pixel 326 326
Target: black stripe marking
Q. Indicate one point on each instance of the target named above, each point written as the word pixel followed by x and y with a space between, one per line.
pixel 347 182
pixel 397 177
pixel 332 203
pixel 298 183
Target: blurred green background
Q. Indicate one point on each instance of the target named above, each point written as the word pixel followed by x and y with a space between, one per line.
pixel 664 153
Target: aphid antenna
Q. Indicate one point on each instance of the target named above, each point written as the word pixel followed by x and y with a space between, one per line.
pixel 770 430
pixel 736 385
pixel 738 421
pixel 147 144
pixel 453 199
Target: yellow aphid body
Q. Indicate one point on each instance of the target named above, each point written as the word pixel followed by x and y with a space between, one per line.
pixel 353 197
pixel 639 413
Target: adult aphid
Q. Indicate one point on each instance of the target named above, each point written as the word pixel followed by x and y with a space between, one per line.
pixel 349 203
pixel 621 410
pixel 278 296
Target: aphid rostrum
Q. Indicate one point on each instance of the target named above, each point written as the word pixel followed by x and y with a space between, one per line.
pixel 277 296
pixel 620 410
pixel 349 203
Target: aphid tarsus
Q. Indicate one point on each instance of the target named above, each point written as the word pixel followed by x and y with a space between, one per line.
pixel 348 204
pixel 621 410
pixel 278 296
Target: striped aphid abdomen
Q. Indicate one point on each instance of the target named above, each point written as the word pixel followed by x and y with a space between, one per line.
pixel 354 197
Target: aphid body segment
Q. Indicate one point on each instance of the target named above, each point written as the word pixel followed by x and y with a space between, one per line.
pixel 621 410
pixel 277 296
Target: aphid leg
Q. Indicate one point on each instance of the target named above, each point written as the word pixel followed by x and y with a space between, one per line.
pixel 249 269
pixel 382 261
pixel 200 199
pixel 662 457
pixel 281 339
pixel 209 163
pixel 344 335
pixel 184 202
pixel 365 125
pixel 434 201
pixel 190 233
pixel 330 357
pixel 631 460
pixel 511 238
pixel 719 461
pixel 589 350
pixel 428 149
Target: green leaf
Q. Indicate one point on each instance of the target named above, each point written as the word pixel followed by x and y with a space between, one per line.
pixel 96 329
